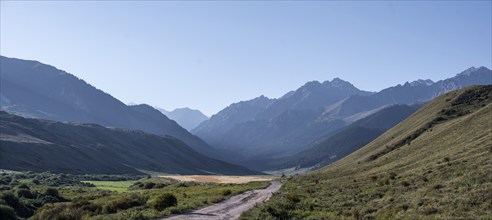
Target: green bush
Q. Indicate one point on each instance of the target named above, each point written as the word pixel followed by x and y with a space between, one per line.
pixel 278 210
pixel 182 184
pixel 20 209
pixel 293 197
pixel 124 203
pixel 226 192
pixel 7 213
pixel 25 193
pixel 50 211
pixel 138 216
pixel 164 201
pixel 149 185
pixel 52 192
pixel 47 199
pixel 11 200
pixel 76 210
pixel 23 186
pixel 88 207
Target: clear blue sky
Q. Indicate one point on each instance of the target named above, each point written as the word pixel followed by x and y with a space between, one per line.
pixel 207 55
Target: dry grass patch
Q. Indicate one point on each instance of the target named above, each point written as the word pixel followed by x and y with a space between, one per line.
pixel 219 179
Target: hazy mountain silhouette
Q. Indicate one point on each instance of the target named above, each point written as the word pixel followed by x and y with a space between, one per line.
pixel 312 95
pixel 410 92
pixel 33 89
pixel 186 117
pixel 216 127
pixel 43 145
pixel 347 140
pixel 285 126
pixel 272 126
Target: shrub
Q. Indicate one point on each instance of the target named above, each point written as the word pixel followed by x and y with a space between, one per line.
pixel 11 200
pixel 137 185
pixel 124 203
pixel 438 186
pixel 226 192
pixel 7 213
pixel 182 184
pixel 50 211
pixel 87 206
pixel 23 186
pixel 405 183
pixel 52 192
pixel 293 197
pixel 138 216
pixel 164 201
pixel 430 210
pixel 14 182
pixel 14 202
pixel 279 210
pixel 160 185
pixel 24 193
pixel 47 199
pixel 393 175
pixel 149 185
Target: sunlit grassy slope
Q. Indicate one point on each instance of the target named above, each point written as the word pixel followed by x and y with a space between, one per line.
pixel 435 164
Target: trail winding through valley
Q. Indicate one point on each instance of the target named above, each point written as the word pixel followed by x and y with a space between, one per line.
pixel 232 207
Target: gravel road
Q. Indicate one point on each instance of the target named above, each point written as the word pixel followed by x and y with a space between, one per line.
pixel 232 207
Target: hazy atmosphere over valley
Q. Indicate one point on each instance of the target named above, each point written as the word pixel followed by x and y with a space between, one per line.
pixel 245 110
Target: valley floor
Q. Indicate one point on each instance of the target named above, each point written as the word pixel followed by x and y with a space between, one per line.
pixel 219 178
pixel 29 195
pixel 232 207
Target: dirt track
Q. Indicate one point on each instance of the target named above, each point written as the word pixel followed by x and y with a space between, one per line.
pixel 232 207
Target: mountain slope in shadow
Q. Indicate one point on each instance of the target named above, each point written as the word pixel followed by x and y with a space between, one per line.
pixel 36 90
pixel 43 145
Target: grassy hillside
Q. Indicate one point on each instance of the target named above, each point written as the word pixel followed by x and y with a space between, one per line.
pixel 435 164
pixel 41 145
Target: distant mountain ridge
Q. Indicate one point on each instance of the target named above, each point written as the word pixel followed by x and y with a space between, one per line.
pixel 347 139
pixel 290 124
pixel 43 145
pixel 268 117
pixel 186 117
pixel 436 164
pixel 248 132
pixel 33 89
pixel 234 114
pixel 410 92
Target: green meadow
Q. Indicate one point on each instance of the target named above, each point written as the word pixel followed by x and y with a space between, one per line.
pixel 117 186
pixel 28 195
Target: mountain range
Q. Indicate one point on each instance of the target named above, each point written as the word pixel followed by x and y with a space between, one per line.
pixel 185 117
pixel 436 164
pixel 36 90
pixel 265 129
pixel 310 127
pixel 274 126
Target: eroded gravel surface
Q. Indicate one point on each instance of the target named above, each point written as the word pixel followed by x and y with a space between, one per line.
pixel 232 207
